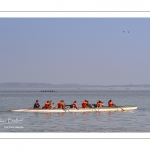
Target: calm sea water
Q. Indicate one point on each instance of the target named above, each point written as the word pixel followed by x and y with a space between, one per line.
pixel 131 121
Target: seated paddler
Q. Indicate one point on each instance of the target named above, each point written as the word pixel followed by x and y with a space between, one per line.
pixel 99 104
pixel 111 104
pixel 74 105
pixel 51 104
pixel 61 104
pixel 47 105
pixel 84 104
pixel 36 105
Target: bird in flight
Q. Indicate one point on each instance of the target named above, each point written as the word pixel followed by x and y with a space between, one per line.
pixel 124 31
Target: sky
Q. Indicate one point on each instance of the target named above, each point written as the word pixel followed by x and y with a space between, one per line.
pixel 92 51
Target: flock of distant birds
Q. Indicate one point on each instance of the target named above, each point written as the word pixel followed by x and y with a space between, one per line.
pixel 48 91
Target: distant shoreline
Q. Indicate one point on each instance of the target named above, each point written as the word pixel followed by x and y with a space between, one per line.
pixel 78 86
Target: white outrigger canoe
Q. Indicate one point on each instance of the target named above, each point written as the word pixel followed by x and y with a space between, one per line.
pixel 57 110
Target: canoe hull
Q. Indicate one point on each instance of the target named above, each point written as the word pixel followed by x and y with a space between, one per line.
pixel 107 109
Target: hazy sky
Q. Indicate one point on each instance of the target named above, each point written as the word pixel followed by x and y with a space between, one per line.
pixel 75 50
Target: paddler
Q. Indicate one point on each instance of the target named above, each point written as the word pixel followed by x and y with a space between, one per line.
pixel 51 104
pixel 110 103
pixel 99 104
pixel 74 105
pixel 89 105
pixel 61 104
pixel 36 105
pixel 47 105
pixel 84 104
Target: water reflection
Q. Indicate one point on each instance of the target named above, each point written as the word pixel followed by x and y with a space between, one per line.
pixel 74 113
pixel 110 113
pixel 85 113
pixel 60 113
pixel 99 113
pixel 47 115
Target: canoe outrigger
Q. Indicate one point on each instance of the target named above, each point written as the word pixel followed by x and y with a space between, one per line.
pixel 56 110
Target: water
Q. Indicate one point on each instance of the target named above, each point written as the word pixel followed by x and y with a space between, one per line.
pixel 131 121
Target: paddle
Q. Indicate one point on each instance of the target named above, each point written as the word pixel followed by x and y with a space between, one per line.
pixel 120 107
pixel 77 108
pixel 66 109
pixel 93 107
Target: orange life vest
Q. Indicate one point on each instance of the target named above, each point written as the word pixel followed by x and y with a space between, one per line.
pixel 47 105
pixel 60 104
pixel 99 104
pixel 110 104
pixel 74 105
pixel 84 104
